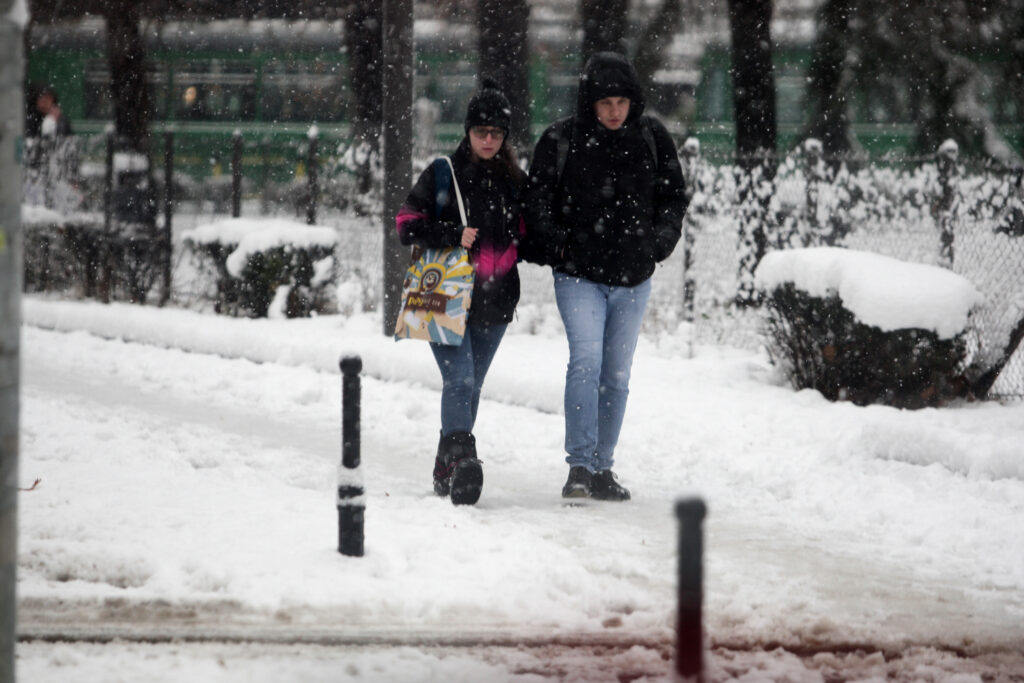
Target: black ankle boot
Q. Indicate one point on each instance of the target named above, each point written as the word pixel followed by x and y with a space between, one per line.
pixel 460 469
pixel 441 474
pixel 604 485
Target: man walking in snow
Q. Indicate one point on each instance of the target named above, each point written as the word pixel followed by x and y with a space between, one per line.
pixel 605 204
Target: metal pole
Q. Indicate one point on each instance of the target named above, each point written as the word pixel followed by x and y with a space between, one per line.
pixel 12 24
pixel 168 249
pixel 691 165
pixel 108 179
pixel 312 175
pixel 689 624
pixel 397 137
pixel 946 159
pixel 236 174
pixel 351 500
pixel 98 269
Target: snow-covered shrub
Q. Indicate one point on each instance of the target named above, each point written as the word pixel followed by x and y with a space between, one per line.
pixel 867 328
pixel 49 265
pixel 268 268
pixel 75 254
pixel 821 345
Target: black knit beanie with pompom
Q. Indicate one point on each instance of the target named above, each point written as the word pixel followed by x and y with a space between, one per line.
pixel 489 107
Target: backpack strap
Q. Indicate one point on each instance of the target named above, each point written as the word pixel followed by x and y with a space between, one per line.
pixel 648 133
pixel 563 145
pixel 444 180
pixel 442 185
pixel 564 142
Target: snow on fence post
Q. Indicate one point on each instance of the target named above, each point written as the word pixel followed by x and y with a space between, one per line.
pixel 814 172
pixel 351 500
pixel 946 159
pixel 236 174
pixel 689 620
pixel 311 175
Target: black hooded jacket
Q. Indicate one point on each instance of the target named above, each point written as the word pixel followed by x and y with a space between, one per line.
pixel 614 213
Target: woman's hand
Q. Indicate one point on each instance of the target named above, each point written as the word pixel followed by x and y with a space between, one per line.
pixel 468 236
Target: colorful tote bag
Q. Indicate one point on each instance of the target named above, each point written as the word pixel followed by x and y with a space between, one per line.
pixel 438 289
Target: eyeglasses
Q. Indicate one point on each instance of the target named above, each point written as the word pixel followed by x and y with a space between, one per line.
pixel 482 133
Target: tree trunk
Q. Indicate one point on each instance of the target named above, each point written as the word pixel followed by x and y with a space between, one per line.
pixel 132 106
pixel 830 81
pixel 753 80
pixel 650 52
pixel 363 39
pixel 504 56
pixel 397 91
pixel 604 26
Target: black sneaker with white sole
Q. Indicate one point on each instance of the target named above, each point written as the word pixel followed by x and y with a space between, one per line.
pixel 578 483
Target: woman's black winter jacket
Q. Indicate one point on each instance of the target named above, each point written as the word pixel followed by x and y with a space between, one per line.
pixel 493 206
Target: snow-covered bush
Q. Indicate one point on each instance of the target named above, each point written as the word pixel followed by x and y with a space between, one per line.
pixel 821 345
pixel 965 216
pixel 867 328
pixel 268 268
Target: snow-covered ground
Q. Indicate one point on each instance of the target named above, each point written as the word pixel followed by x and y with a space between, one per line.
pixel 187 468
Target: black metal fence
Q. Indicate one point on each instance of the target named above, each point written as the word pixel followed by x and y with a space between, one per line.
pixel 101 238
pixel 937 210
pixel 100 216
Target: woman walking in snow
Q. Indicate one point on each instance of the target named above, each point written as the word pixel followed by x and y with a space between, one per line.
pixel 607 200
pixel 490 180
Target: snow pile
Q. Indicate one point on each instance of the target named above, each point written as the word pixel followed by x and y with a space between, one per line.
pixel 880 291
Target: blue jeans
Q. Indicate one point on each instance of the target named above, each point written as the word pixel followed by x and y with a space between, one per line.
pixel 602 323
pixel 463 369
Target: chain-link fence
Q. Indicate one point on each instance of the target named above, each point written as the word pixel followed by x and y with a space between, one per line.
pixel 935 210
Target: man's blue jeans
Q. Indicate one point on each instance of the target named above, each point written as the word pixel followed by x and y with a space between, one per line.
pixel 463 369
pixel 602 324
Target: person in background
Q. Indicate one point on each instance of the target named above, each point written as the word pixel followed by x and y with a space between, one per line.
pixel 53 120
pixel 606 200
pixel 491 181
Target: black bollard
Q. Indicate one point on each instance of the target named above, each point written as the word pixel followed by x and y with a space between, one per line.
pixel 689 625
pixel 351 504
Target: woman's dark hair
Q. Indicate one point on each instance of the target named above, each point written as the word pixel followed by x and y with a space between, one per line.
pixel 508 158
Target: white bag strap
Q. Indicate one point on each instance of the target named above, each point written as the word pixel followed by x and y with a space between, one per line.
pixel 458 194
